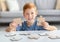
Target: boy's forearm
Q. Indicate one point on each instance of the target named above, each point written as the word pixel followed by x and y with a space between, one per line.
pixel 48 27
pixel 51 28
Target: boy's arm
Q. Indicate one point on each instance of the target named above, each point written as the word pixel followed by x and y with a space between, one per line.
pixel 14 24
pixel 12 27
pixel 46 26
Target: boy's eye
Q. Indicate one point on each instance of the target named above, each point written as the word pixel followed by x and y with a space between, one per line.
pixel 32 13
pixel 27 13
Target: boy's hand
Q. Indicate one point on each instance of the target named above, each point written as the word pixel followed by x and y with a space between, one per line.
pixel 12 27
pixel 40 20
pixel 14 24
pixel 45 24
pixel 18 21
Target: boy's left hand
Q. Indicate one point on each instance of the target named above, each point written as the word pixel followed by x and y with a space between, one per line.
pixel 42 22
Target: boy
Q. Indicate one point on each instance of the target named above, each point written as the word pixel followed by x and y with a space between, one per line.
pixel 29 13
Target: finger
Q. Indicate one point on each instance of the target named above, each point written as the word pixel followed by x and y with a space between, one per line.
pixel 41 19
pixel 17 21
pixel 12 25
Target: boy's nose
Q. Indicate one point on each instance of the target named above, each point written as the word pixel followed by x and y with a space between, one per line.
pixel 29 15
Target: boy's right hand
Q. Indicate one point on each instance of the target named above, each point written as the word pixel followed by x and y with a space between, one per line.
pixel 14 24
pixel 17 21
pixel 12 27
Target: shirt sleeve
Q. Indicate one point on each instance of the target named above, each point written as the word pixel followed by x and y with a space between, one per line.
pixel 41 28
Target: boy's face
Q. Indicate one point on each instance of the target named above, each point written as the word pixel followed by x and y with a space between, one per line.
pixel 30 14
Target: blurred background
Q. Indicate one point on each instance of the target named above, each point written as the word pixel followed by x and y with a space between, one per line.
pixel 11 9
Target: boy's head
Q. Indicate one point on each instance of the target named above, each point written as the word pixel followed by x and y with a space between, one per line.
pixel 29 12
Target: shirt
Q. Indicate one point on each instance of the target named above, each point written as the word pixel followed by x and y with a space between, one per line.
pixel 25 27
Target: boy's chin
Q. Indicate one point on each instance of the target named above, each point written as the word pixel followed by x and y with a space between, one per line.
pixel 30 20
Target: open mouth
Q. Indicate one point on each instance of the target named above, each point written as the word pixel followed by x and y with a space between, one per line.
pixel 29 18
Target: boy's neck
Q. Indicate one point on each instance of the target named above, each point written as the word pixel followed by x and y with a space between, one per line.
pixel 30 23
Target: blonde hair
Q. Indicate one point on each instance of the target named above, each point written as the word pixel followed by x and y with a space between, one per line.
pixel 29 5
